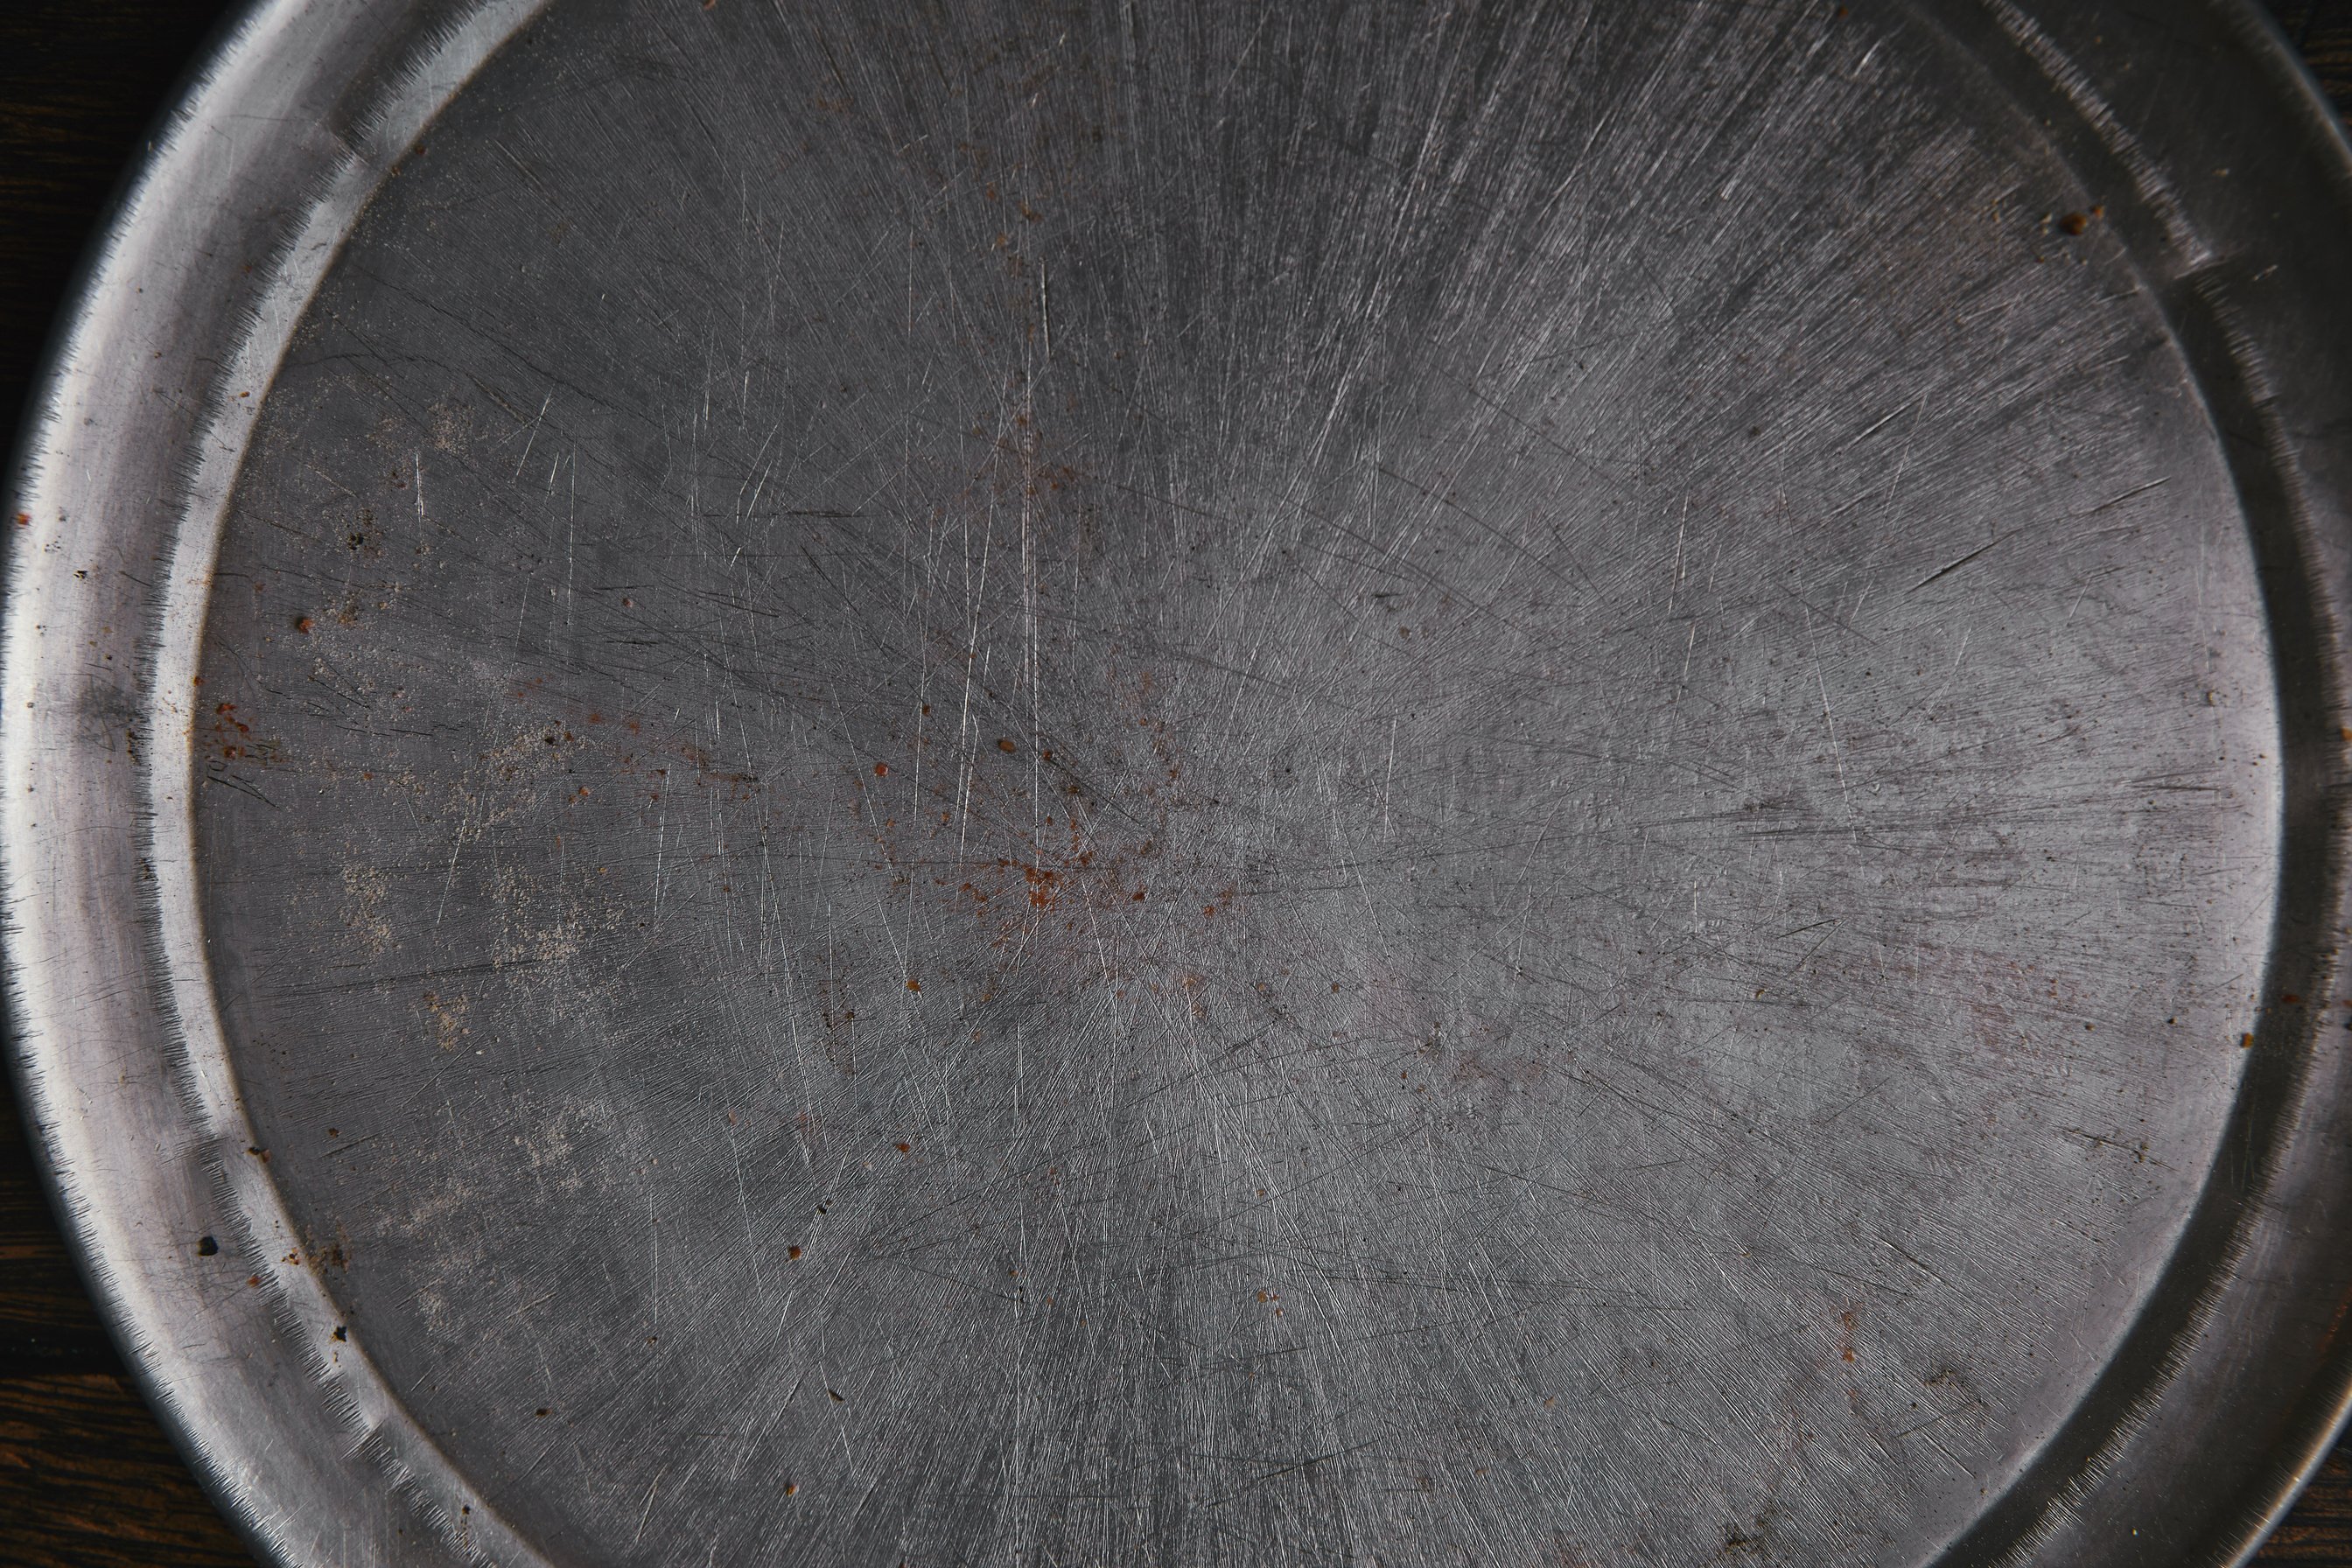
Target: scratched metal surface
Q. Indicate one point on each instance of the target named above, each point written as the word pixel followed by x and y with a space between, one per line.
pixel 1343 784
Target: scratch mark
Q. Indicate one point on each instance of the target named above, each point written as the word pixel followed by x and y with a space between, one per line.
pixel 1942 572
pixel 534 435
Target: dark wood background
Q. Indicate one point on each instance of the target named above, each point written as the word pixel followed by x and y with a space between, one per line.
pixel 86 1478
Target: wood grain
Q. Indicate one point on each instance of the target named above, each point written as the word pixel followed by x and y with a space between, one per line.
pixel 2320 1529
pixel 87 1476
pixel 2321 31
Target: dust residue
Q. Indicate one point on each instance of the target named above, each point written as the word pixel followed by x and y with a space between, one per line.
pixel 449 1016
pixel 364 896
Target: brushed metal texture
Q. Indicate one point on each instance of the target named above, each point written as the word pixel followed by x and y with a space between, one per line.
pixel 1518 783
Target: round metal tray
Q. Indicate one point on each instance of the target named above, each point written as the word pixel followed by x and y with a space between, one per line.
pixel 1350 783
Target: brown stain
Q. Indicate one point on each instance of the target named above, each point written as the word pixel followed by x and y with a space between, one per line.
pixel 1472 1068
pixel 230 735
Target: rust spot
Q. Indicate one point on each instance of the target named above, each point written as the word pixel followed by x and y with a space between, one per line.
pixel 2074 223
pixel 881 770
pixel 914 985
pixel 794 1253
pixel 1006 746
pixel 303 624
pixel 906 1148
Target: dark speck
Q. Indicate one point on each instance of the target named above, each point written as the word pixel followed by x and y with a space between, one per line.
pixel 207 1246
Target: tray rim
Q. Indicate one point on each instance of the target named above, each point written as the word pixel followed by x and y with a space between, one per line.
pixel 143 204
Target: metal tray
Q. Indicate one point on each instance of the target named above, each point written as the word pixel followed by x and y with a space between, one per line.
pixel 1221 784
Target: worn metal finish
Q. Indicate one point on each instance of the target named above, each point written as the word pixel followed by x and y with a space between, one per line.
pixel 1535 783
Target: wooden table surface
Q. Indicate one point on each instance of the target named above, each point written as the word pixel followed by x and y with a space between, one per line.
pixel 86 1478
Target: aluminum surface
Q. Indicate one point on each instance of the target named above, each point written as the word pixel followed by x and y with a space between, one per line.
pixel 1533 784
